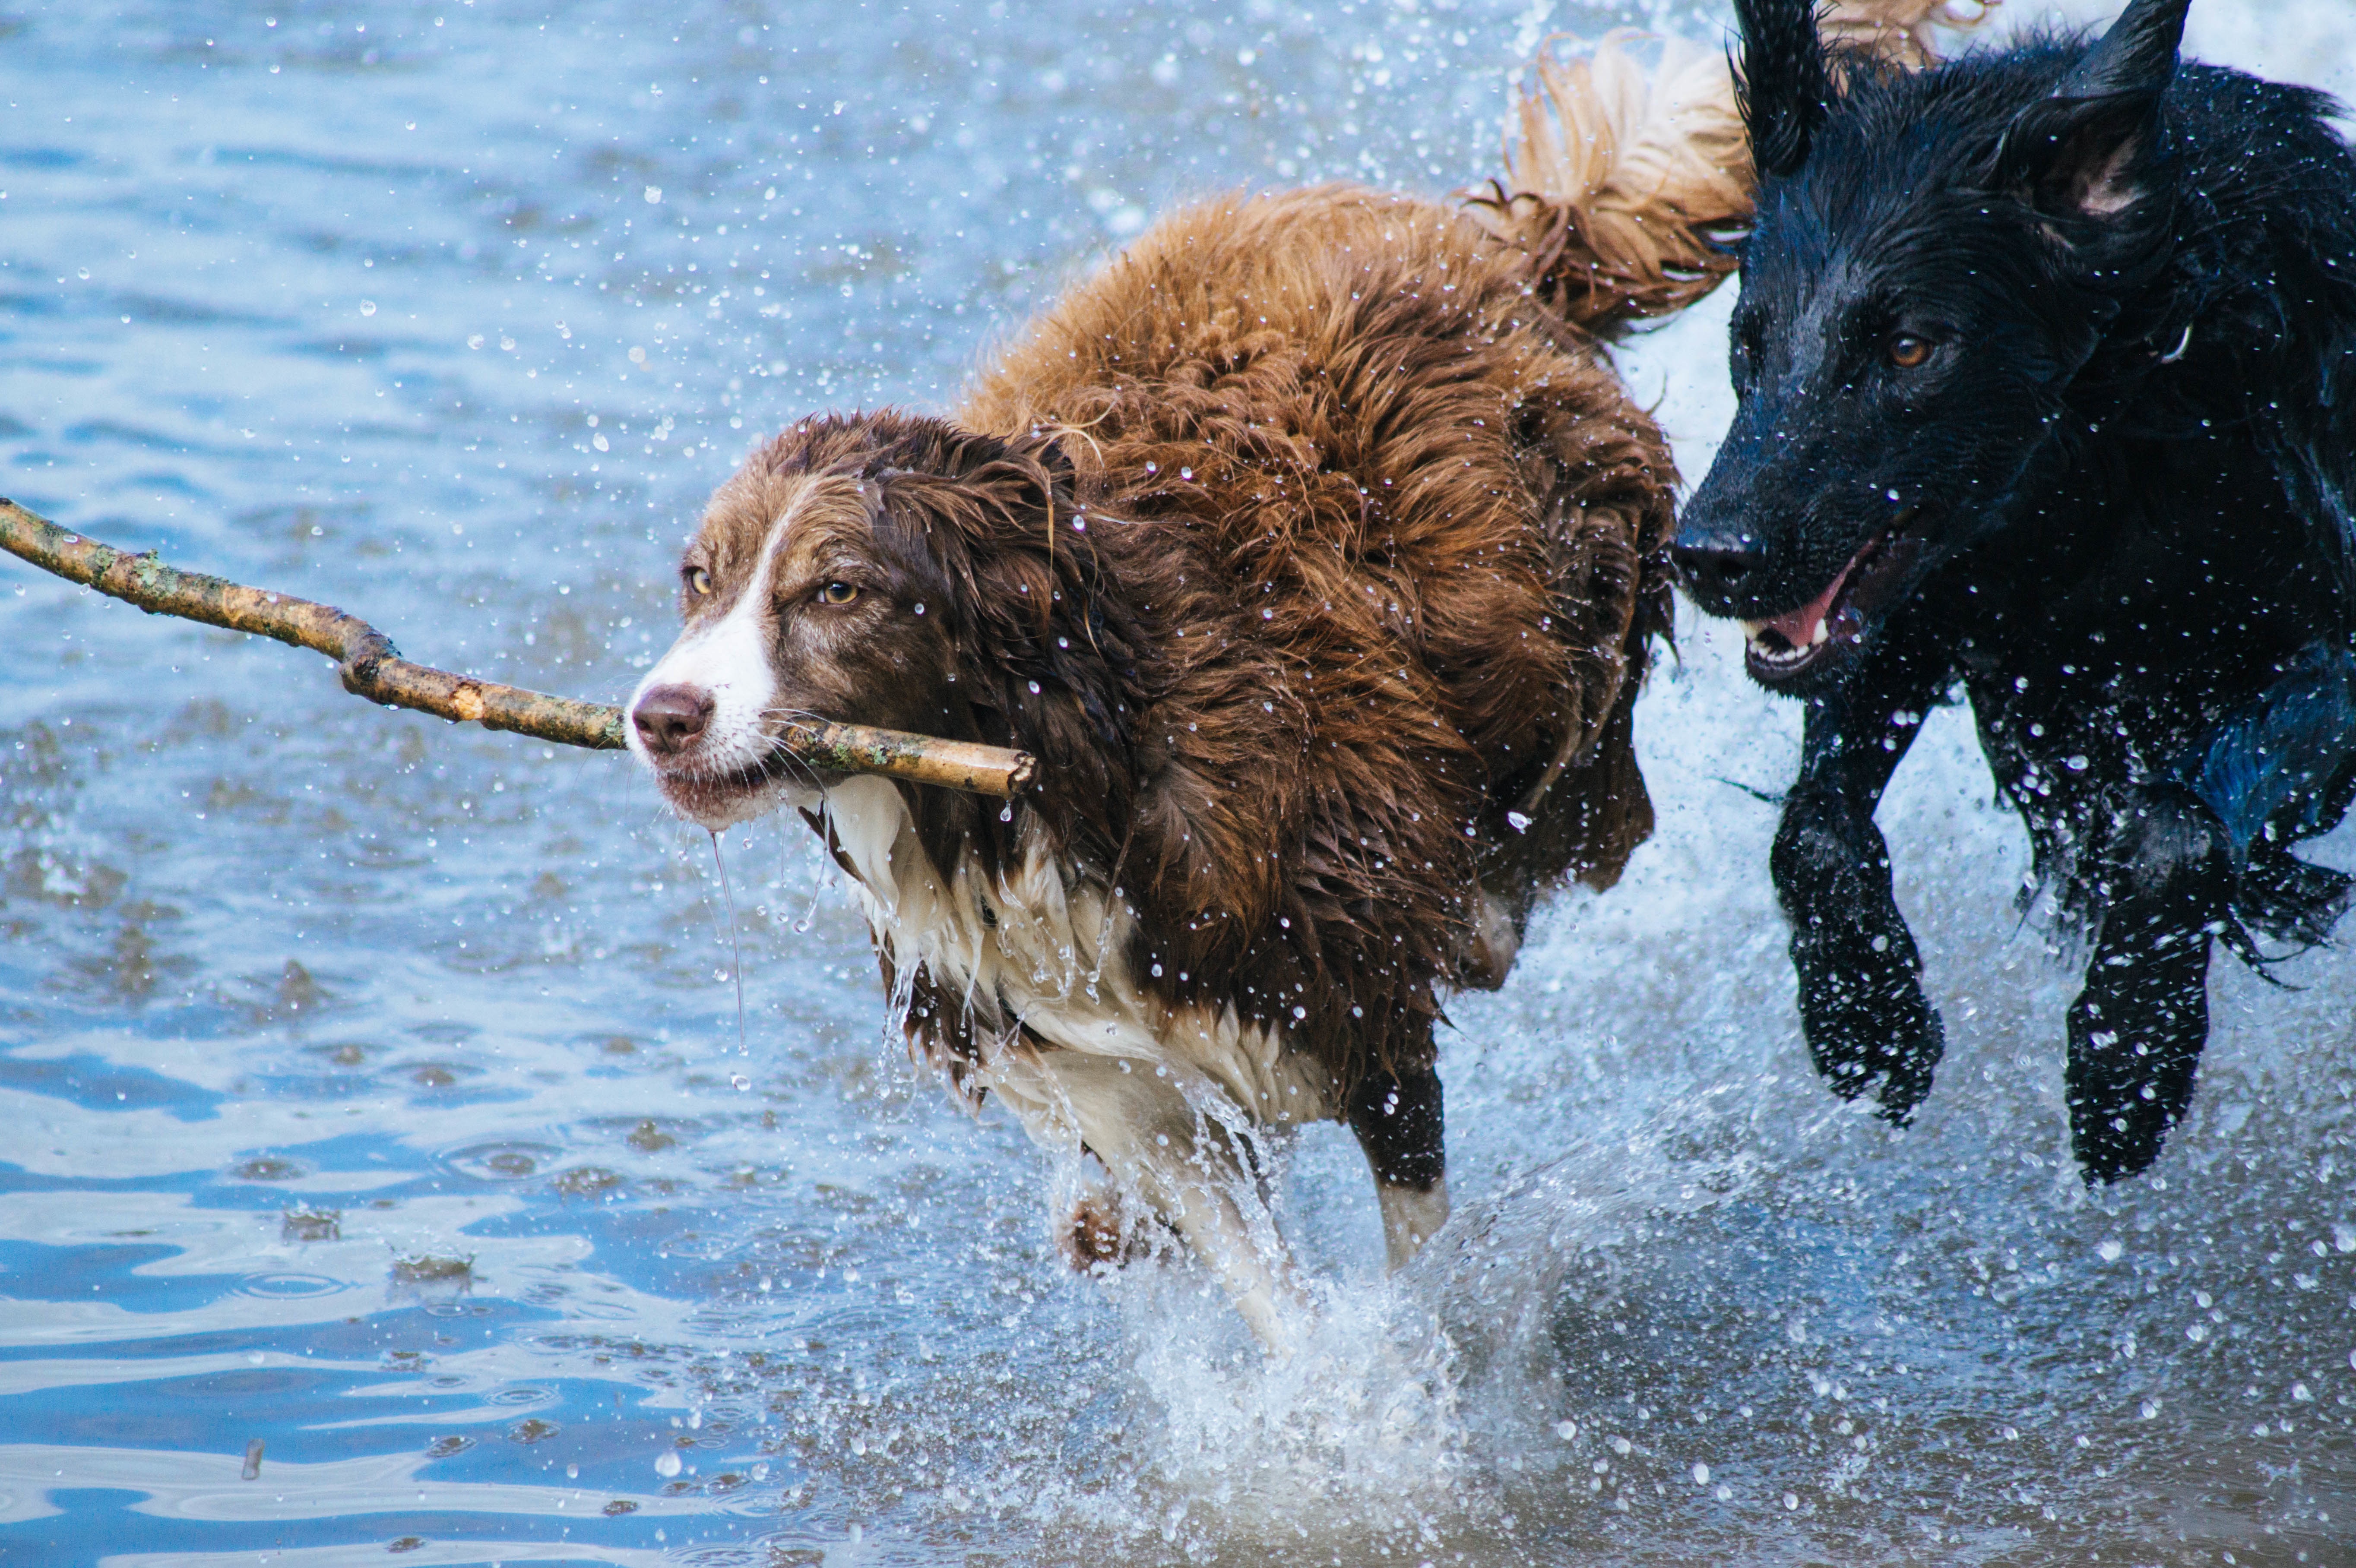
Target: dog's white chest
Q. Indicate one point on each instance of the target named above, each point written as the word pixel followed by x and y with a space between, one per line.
pixel 1047 949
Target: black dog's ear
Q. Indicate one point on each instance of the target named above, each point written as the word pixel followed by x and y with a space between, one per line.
pixel 2080 152
pixel 1780 81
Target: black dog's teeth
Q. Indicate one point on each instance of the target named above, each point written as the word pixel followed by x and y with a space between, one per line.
pixel 1770 645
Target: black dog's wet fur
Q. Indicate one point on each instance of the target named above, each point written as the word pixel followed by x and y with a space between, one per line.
pixel 2124 475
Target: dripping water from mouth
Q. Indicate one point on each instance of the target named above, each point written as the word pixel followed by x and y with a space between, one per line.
pixel 735 946
pixel 820 883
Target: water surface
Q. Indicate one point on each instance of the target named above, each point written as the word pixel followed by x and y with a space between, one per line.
pixel 374 1088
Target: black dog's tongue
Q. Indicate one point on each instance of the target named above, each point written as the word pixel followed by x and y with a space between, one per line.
pixel 1805 627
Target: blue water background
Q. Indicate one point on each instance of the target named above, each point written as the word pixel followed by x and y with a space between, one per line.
pixel 372 1089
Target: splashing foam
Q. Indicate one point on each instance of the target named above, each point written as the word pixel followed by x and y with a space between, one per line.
pixel 1387 1425
pixel 1360 1432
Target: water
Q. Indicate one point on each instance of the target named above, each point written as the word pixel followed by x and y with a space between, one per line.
pixel 373 1089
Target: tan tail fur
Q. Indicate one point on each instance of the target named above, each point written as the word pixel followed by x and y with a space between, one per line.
pixel 1623 186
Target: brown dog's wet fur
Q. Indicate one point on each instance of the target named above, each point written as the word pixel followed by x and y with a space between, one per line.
pixel 1302 547
pixel 1317 555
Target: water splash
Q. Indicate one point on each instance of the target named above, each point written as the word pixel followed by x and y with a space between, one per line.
pixel 736 947
pixel 1358 1432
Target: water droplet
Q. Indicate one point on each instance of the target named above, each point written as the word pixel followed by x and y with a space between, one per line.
pixel 1702 1475
pixel 1006 812
pixel 667 1464
pixel 368 307
pixel 654 194
pixel 2109 1250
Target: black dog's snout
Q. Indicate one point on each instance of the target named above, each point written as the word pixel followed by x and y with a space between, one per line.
pixel 669 718
pixel 1716 573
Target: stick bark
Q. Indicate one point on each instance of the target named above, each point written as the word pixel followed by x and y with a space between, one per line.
pixel 372 667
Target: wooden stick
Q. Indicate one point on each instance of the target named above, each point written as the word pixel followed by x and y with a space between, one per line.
pixel 374 669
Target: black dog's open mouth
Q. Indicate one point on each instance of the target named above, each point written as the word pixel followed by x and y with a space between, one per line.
pixel 1783 647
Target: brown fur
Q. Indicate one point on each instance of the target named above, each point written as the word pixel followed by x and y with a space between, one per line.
pixel 1623 186
pixel 1317 555
pixel 1301 547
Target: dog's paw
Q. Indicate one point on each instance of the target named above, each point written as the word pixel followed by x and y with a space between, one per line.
pixel 1098 1235
pixel 1870 1029
pixel 2166 877
pixel 2135 1034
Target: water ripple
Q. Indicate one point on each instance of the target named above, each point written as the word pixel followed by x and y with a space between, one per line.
pixel 373 1086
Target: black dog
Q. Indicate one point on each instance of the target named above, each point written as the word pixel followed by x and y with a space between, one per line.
pixel 2046 368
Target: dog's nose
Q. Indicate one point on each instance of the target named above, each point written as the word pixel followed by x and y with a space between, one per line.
pixel 1716 573
pixel 669 718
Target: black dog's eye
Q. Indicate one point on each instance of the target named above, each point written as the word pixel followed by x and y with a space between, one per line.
pixel 700 580
pixel 838 593
pixel 1906 351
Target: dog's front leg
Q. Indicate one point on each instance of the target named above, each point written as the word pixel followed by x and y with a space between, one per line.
pixel 1396 1118
pixel 2164 877
pixel 1184 1166
pixel 1869 1027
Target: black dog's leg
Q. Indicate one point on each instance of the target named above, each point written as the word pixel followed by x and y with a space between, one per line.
pixel 1397 1119
pixel 1861 999
pixel 2166 880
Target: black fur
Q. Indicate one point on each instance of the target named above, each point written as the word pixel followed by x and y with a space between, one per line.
pixel 2046 368
pixel 1780 81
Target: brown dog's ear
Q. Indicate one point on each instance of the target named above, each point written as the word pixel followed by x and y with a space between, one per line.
pixel 2085 150
pixel 1781 81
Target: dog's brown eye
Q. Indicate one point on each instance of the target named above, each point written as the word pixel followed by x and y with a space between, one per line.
pixel 838 593
pixel 700 580
pixel 1906 351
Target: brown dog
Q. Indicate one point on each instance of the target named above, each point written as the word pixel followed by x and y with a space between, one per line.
pixel 1315 553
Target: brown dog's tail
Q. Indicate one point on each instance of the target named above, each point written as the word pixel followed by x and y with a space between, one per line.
pixel 1899 32
pixel 1624 188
